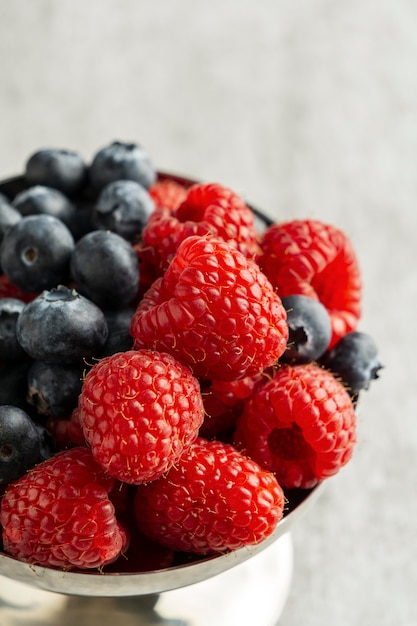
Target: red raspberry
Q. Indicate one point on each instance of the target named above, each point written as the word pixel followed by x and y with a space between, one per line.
pixel 301 425
pixel 307 257
pixel 167 193
pixel 208 209
pixel 139 411
pixel 59 514
pixel 66 433
pixel 142 554
pixel 223 403
pixel 213 500
pixel 9 290
pixel 213 310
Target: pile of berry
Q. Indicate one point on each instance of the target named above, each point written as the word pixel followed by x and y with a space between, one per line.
pixel 171 374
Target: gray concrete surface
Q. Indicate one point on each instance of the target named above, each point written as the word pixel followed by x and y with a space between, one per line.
pixel 308 108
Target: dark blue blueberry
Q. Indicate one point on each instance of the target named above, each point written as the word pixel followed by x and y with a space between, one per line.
pixel 61 326
pixel 105 268
pixel 124 207
pixel 19 443
pixel 48 445
pixel 82 222
pixel 13 384
pixel 53 388
pixel 309 329
pixel 9 216
pixel 119 339
pixel 355 360
pixel 121 160
pixel 65 170
pixel 39 200
pixel 35 253
pixel 10 348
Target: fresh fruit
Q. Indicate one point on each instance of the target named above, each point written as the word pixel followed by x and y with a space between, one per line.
pixel 119 338
pixel 124 207
pixel 66 432
pixel 311 258
pixel 355 360
pixel 20 444
pixel 47 443
pixel 301 425
pixel 121 160
pixel 8 216
pixel 214 310
pixel 10 348
pixel 140 410
pixel 9 290
pixel 309 329
pixel 61 169
pixel 41 200
pixel 61 326
pixel 13 383
pixel 105 269
pixel 59 514
pixel 35 252
pixel 208 209
pixel 182 361
pixel 213 500
pixel 53 388
pixel 167 193
pixel 223 403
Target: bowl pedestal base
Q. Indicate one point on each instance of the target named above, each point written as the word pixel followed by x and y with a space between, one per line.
pixel 253 592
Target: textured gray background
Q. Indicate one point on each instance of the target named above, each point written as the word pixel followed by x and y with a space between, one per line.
pixel 309 109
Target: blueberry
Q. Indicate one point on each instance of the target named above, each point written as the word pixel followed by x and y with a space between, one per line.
pixel 105 268
pixel 119 339
pixel 35 252
pixel 309 329
pixel 65 170
pixel 121 160
pixel 53 388
pixel 355 360
pixel 13 384
pixel 19 443
pixel 40 200
pixel 9 216
pixel 48 445
pixel 61 326
pixel 10 348
pixel 124 207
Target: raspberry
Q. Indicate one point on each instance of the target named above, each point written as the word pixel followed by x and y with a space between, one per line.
pixel 139 411
pixel 67 433
pixel 167 193
pixel 223 402
pixel 208 209
pixel 9 290
pixel 310 258
pixel 301 425
pixel 213 500
pixel 59 514
pixel 214 310
pixel 142 554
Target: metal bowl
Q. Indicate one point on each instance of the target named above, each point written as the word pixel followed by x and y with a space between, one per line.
pixel 144 588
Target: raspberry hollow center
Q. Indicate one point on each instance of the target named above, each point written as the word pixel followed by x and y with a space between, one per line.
pixel 190 212
pixel 289 443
